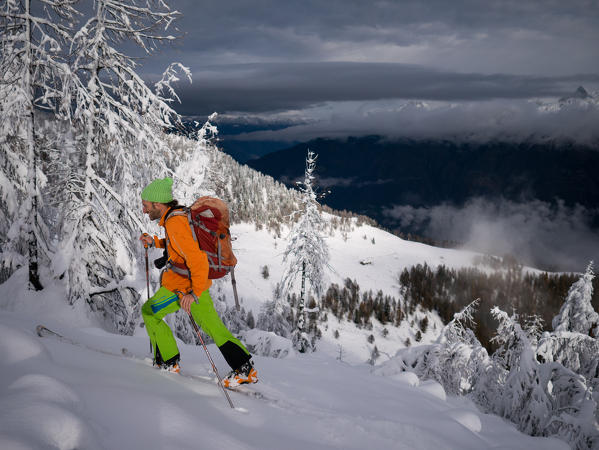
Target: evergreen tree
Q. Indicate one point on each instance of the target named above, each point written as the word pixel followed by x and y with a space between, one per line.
pixel 272 317
pixel 307 254
pixel 572 344
pixel 525 400
pixel 575 351
pixel 542 399
pixel 121 122
pixel 33 73
pixel 454 358
pixel 374 355
pixel 577 313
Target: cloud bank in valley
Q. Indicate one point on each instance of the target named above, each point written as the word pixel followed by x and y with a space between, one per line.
pixel 478 121
pixel 535 232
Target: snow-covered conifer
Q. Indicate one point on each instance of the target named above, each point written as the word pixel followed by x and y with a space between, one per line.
pixel 572 343
pixel 455 358
pixel 33 74
pixel 542 399
pixel 272 317
pixel 575 351
pixel 577 313
pixel 574 409
pixel 460 355
pixel 122 122
pixel 307 254
pixel 525 400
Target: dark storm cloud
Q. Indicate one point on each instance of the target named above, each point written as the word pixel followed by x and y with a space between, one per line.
pixel 316 29
pixel 278 86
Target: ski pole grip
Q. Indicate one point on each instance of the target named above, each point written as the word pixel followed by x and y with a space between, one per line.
pixel 144 235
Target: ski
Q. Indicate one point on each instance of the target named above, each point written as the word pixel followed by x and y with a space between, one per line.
pixel 244 389
pixel 241 389
pixel 45 332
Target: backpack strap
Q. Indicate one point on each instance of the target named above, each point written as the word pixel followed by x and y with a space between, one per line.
pixel 180 269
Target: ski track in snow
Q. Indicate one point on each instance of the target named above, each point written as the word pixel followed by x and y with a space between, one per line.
pixel 58 395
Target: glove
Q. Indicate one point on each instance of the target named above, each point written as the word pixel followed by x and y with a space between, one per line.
pixel 147 240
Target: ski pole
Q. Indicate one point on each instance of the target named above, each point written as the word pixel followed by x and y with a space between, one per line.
pixel 148 284
pixel 147 270
pixel 234 283
pixel 220 380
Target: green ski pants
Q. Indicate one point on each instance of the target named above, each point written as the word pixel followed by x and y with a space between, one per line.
pixel 164 302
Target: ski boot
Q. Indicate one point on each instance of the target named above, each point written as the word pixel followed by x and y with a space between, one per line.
pixel 172 365
pixel 246 374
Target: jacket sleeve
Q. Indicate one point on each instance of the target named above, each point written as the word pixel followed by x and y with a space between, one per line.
pixel 183 243
pixel 159 243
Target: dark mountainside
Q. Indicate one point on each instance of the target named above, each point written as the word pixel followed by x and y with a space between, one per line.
pixel 366 175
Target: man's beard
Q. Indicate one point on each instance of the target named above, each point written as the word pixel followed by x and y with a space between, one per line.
pixel 154 214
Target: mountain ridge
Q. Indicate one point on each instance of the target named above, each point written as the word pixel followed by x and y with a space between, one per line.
pixel 371 172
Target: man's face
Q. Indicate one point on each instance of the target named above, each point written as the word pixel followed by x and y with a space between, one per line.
pixel 151 210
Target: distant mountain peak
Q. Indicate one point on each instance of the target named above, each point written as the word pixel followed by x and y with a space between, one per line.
pixel 580 99
pixel 580 93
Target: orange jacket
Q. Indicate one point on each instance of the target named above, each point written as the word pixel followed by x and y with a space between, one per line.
pixel 182 248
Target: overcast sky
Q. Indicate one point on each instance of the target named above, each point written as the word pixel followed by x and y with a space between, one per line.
pixel 265 55
pixel 340 67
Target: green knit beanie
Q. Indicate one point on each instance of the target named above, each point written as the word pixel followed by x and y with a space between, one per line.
pixel 159 191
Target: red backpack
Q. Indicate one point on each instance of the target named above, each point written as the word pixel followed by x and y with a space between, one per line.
pixel 209 220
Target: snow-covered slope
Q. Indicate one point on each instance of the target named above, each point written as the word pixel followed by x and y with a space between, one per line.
pixel 372 257
pixel 54 394
pixel 58 395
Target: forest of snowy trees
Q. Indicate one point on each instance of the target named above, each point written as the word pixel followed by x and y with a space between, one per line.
pixel 507 286
pixel 544 382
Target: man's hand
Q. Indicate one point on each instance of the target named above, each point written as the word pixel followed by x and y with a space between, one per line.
pixel 186 302
pixel 147 240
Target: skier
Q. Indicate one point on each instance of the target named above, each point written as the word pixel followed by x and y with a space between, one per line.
pixel 180 291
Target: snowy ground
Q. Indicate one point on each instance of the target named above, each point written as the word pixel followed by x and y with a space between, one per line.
pixel 57 395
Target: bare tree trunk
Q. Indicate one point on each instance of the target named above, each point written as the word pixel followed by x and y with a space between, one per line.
pixel 300 307
pixel 31 216
pixel 300 342
pixel 32 244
